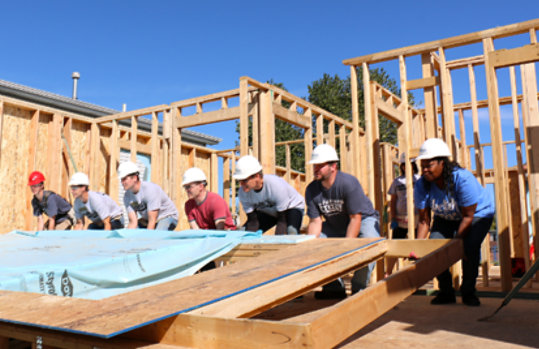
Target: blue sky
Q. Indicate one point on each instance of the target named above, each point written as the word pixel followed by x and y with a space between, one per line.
pixel 146 53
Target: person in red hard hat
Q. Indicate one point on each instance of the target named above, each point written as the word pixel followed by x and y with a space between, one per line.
pixel 60 212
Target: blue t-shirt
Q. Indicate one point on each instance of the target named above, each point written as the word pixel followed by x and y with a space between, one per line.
pixel 336 204
pixel 468 192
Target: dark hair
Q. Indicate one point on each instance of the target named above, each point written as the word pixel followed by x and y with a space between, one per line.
pixel 447 174
pixel 403 170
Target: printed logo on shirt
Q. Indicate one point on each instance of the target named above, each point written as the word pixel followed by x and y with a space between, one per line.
pixel 138 207
pixel 331 207
pixel 91 215
pixel 265 204
pixel 448 209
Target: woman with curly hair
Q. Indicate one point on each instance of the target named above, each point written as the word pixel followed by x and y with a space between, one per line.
pixel 460 208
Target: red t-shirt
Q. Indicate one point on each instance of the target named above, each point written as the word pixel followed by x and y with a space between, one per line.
pixel 211 209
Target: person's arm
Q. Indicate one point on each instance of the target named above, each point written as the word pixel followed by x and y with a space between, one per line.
pixel 106 223
pixel 40 223
pixel 466 222
pixel 220 224
pixel 252 223
pixel 152 219
pixel 52 222
pixel 79 225
pixel 193 225
pixel 423 226
pixel 281 226
pixel 315 226
pixel 354 226
pixel 133 221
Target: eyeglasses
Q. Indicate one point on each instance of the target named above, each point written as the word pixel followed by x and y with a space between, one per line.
pixel 190 185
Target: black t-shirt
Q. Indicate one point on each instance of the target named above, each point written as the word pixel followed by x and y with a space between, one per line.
pixel 336 204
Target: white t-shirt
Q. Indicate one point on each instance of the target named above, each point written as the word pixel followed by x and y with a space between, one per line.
pixel 275 196
pixel 98 207
pixel 150 197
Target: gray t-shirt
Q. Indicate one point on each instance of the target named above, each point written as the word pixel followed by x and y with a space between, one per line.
pixel 98 207
pixel 275 196
pixel 398 188
pixel 150 197
pixel 336 204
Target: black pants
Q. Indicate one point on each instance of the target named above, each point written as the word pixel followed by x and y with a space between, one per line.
pixel 114 224
pixel 294 218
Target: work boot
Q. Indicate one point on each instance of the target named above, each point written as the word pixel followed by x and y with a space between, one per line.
pixel 471 300
pixel 330 294
pixel 444 298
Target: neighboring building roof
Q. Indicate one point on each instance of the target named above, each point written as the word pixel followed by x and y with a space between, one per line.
pixel 76 106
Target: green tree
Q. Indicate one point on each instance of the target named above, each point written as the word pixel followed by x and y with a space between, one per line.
pixel 334 95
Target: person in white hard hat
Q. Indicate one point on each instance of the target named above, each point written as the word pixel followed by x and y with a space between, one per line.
pixel 348 212
pixel 268 200
pixel 146 199
pixel 399 206
pixel 204 209
pixel 99 208
pixel 461 208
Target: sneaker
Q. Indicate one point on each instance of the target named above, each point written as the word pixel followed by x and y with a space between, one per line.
pixel 471 300
pixel 444 298
pixel 330 294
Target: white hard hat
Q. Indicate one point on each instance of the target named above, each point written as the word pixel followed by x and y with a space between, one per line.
pixel 324 153
pixel 127 168
pixel 194 174
pixel 433 148
pixel 246 166
pixel 79 178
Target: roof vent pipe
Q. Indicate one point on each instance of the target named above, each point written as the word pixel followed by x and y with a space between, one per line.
pixel 75 77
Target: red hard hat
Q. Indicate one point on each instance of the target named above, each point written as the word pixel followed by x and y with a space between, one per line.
pixel 36 177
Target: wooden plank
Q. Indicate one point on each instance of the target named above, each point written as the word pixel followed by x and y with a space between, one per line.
pixel 465 62
pixel 344 165
pixel 403 248
pixel 290 116
pixel 66 151
pixel 448 115
pixel 522 202
pixel 355 146
pixel 370 136
pixel 388 111
pixel 266 133
pixel 176 169
pixel 209 117
pixel 429 93
pixel 319 129
pixel 155 154
pixel 131 114
pixel 430 81
pixel 502 217
pixel 478 150
pixel 308 138
pixel 254 302
pixel 94 150
pixel 133 139
pixel 114 161
pixel 244 117
pixel 32 145
pixel 520 55
pixel 214 173
pixel 195 331
pixel 333 324
pixel 463 148
pixel 1 127
pixel 471 38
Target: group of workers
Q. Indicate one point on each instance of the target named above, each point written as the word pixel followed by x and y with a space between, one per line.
pixel 337 207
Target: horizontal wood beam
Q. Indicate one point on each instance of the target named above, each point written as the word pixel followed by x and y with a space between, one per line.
pixel 464 62
pixel 471 38
pixel 389 112
pixel 129 114
pixel 430 81
pixel 290 116
pixel 519 55
pixel 206 99
pixel 208 117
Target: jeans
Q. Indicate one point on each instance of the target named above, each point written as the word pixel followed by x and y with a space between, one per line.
pixel 370 228
pixel 446 229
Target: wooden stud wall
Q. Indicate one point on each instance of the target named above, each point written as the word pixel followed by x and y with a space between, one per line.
pixel 436 71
